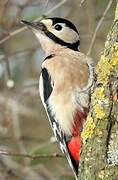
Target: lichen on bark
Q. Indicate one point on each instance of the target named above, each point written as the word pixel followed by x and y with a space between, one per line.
pixel 101 128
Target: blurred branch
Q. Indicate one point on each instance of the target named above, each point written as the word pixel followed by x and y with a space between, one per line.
pixel 33 3
pixel 90 13
pixel 8 67
pixel 22 51
pixel 82 2
pixel 18 170
pixel 36 156
pixel 33 84
pixel 9 81
pixel 22 109
pixel 16 125
pixel 16 128
pixel 11 34
pixel 3 4
pixel 98 26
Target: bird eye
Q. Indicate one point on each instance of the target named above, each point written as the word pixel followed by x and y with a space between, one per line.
pixel 58 27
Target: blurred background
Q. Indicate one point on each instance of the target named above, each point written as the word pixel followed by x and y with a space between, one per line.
pixel 24 128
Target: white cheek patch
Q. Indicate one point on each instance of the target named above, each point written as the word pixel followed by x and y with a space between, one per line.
pixel 47 23
pixel 66 34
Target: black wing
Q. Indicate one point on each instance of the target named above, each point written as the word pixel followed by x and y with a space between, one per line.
pixel 59 134
pixel 47 87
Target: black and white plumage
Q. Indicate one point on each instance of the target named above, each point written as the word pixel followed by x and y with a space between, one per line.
pixel 65 83
pixel 46 88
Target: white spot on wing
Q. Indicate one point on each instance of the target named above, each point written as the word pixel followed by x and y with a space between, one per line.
pixel 41 90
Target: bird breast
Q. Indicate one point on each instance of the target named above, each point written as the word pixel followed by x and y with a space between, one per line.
pixel 70 75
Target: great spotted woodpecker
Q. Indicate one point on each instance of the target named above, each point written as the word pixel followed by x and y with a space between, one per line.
pixel 65 84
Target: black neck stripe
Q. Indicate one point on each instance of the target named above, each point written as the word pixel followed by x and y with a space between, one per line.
pixel 73 46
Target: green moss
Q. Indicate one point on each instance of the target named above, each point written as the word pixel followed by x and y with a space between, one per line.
pixel 100 101
pixel 88 129
pixel 116 13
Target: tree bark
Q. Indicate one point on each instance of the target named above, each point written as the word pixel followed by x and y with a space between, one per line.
pixel 99 156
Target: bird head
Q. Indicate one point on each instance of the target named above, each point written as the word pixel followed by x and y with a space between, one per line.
pixel 55 33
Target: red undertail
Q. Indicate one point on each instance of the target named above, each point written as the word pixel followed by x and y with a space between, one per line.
pixel 74 145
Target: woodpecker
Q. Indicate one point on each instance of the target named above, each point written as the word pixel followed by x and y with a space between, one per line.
pixel 65 84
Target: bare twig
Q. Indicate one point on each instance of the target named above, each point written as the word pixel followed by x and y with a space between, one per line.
pixel 98 26
pixel 18 170
pixel 23 51
pixel 8 70
pixel 82 2
pixel 11 34
pixel 17 130
pixel 3 4
pixel 9 81
pixel 36 156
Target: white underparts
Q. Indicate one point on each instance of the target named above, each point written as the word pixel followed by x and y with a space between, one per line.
pixel 65 105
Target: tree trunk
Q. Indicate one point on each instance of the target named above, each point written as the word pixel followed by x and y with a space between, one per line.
pixel 99 156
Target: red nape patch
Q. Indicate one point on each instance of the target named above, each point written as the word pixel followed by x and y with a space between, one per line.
pixel 74 146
